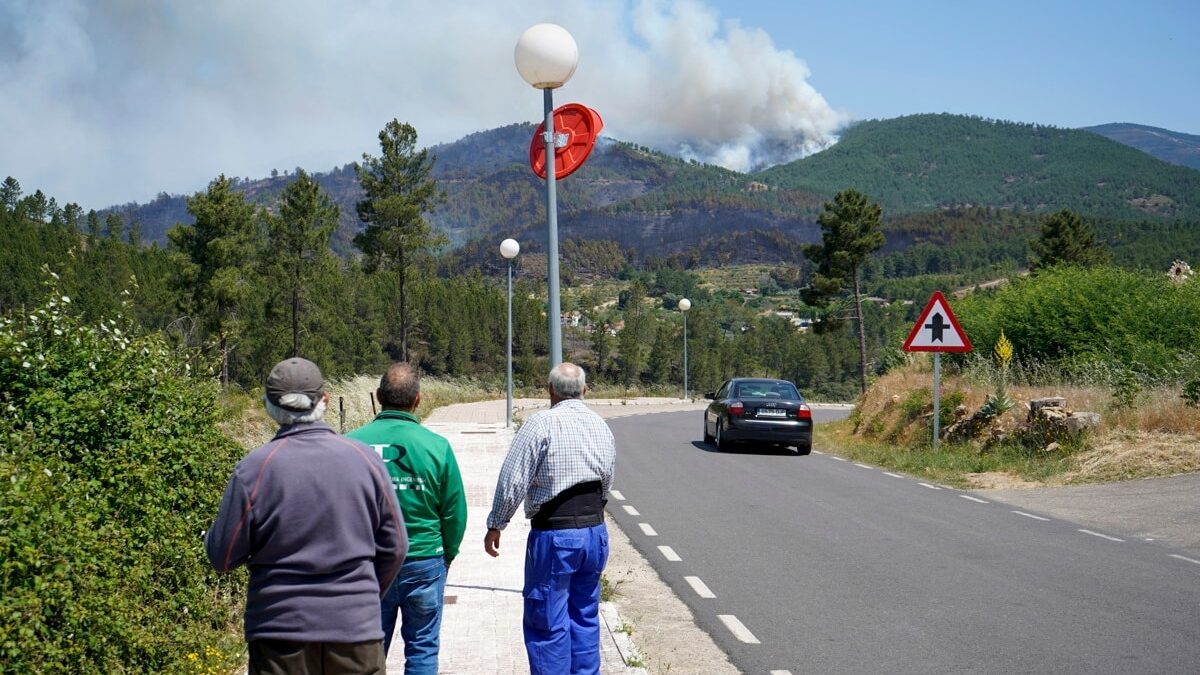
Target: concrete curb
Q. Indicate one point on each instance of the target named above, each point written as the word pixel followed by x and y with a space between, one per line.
pixel 611 616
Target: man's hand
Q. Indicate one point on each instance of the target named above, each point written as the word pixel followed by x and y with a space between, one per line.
pixel 491 542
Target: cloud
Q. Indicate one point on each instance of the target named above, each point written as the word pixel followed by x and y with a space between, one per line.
pixel 115 100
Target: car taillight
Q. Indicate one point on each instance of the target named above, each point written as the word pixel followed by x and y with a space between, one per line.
pixel 737 409
pixel 803 412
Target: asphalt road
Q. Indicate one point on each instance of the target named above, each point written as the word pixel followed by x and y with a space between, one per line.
pixel 818 565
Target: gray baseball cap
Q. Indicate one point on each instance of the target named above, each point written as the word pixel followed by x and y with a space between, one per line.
pixel 295 384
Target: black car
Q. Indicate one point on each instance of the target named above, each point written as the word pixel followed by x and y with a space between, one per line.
pixel 761 410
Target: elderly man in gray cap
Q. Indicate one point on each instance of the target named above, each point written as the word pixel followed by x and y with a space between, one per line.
pixel 314 517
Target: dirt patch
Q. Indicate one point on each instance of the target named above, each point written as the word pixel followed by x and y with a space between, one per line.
pixel 1129 454
pixel 999 480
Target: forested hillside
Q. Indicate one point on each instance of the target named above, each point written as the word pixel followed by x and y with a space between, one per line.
pixel 928 162
pixel 929 172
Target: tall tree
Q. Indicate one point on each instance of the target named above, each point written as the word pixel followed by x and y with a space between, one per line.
pixel 10 193
pixel 399 190
pixel 1067 240
pixel 850 233
pixel 113 225
pixel 93 226
pixel 135 232
pixel 218 246
pixel 299 240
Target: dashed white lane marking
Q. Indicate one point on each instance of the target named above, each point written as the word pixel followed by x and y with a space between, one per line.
pixel 647 530
pixel 781 672
pixel 630 510
pixel 1102 536
pixel 670 554
pixel 616 494
pixel 975 499
pixel 738 629
pixel 1185 558
pixel 700 587
pixel 930 486
pixel 863 466
pixel 818 452
pixel 840 459
pixel 893 475
pixel 1029 515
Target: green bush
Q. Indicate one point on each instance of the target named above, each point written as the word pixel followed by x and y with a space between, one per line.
pixel 1087 320
pixel 111 468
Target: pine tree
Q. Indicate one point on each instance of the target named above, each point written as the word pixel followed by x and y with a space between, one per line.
pixel 850 233
pixel 1067 240
pixel 219 248
pixel 299 240
pixel 399 191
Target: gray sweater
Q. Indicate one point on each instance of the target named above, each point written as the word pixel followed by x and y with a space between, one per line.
pixel 314 517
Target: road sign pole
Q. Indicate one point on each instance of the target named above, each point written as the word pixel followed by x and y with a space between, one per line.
pixel 937 396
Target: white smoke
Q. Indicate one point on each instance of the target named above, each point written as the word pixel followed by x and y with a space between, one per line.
pixel 110 101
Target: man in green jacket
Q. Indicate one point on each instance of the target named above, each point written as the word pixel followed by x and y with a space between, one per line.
pixel 425 475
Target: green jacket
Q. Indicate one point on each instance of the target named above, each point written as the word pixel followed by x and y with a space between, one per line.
pixel 425 476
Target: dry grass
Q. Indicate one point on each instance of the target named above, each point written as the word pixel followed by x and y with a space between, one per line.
pixel 1158 436
pixel 247 422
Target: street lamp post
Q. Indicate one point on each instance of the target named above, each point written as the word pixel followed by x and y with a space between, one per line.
pixel 546 56
pixel 684 306
pixel 509 248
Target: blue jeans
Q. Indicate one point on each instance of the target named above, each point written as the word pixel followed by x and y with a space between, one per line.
pixel 562 599
pixel 417 593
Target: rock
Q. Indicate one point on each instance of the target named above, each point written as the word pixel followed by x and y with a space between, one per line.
pixel 1082 421
pixel 1048 402
pixel 1052 447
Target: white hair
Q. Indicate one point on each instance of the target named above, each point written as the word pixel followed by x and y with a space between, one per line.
pixel 285 417
pixel 568 380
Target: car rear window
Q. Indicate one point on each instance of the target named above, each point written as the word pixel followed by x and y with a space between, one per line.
pixel 780 390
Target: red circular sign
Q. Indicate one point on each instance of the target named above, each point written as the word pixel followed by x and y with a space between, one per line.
pixel 581 125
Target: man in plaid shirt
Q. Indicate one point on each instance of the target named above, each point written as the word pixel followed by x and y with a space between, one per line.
pixel 561 465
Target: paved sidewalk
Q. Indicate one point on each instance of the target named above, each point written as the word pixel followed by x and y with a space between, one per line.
pixel 481 625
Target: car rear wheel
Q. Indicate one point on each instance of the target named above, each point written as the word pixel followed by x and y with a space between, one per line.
pixel 707 436
pixel 722 444
pixel 804 449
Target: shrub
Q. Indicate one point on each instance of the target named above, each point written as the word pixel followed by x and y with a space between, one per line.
pixel 111 468
pixel 1191 392
pixel 1085 319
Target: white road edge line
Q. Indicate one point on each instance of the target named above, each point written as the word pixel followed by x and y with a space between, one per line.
pixel 700 587
pixel 818 452
pixel 1185 558
pixel 670 554
pixel 863 466
pixel 893 475
pixel 975 499
pixel 931 487
pixel 1029 515
pixel 781 672
pixel 630 510
pixel 647 530
pixel 840 459
pixel 738 629
pixel 616 494
pixel 1102 536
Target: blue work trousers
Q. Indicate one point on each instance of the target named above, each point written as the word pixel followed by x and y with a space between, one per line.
pixel 562 599
pixel 417 594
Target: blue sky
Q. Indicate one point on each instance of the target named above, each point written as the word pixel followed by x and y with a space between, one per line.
pixel 1069 64
pixel 105 101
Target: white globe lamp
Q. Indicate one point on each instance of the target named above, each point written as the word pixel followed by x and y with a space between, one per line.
pixel 546 56
pixel 509 248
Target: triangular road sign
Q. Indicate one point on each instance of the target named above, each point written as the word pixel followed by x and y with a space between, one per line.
pixel 937 330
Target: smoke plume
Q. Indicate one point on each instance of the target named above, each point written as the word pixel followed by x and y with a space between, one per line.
pixel 111 101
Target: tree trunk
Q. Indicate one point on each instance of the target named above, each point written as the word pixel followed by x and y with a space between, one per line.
pixel 403 308
pixel 224 360
pixel 296 308
pixel 862 335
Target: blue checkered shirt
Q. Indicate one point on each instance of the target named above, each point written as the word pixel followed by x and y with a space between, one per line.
pixel 555 449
